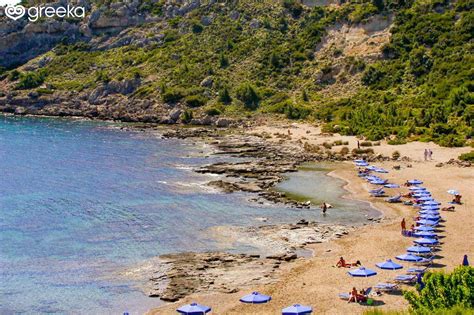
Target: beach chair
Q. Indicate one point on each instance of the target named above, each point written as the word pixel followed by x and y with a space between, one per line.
pixel 405 279
pixel 425 261
pixel 416 270
pixel 377 193
pixel 394 199
pixel 387 287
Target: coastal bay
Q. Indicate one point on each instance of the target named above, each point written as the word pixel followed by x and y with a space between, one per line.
pixel 92 199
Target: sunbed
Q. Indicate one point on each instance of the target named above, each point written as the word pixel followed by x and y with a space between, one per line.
pixel 407 279
pixel 394 199
pixel 386 287
pixel 416 270
pixel 425 261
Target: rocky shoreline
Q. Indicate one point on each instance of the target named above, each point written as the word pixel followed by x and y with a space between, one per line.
pixel 174 276
pixel 260 166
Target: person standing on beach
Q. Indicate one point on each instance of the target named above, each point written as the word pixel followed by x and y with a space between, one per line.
pixel 430 154
pixel 324 207
pixel 404 225
pixel 426 154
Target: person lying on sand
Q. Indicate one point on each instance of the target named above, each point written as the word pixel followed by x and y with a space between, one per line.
pixel 342 263
pixel 451 208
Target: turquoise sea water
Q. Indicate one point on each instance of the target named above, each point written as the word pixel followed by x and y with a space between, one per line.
pixel 80 200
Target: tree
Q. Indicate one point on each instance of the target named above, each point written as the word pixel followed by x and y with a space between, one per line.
pixel 224 96
pixel 444 291
pixel 223 61
pixel 248 94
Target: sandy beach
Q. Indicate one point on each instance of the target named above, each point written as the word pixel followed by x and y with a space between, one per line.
pixel 315 281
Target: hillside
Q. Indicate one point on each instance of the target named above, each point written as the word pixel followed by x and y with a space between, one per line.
pixel 378 68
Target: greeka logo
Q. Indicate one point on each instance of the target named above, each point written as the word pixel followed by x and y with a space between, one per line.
pixel 16 12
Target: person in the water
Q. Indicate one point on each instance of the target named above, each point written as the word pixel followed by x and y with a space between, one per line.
pixel 324 207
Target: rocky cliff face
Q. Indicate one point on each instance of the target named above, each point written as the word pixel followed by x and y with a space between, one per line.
pixel 23 40
pixel 140 28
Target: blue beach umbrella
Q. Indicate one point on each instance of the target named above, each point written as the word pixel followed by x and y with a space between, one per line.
pixel 377 182
pixel 415 182
pixel 381 170
pixel 255 298
pixel 426 241
pixel 359 161
pixel 417 188
pixel 427 222
pixel 426 234
pixel 431 203
pixel 424 228
pixel 429 212
pixel 362 164
pixel 389 265
pixel 297 310
pixel 430 217
pixel 465 261
pixel 371 168
pixel 426 198
pixel 453 192
pixel 362 272
pixel 419 249
pixel 409 257
pixel 194 309
pixel 421 193
pixel 430 207
pixel 391 186
pixel 433 212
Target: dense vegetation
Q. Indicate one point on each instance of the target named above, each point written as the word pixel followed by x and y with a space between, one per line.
pixel 424 85
pixel 262 59
pixel 443 294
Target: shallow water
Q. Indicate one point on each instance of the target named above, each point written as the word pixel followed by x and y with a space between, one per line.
pixel 80 201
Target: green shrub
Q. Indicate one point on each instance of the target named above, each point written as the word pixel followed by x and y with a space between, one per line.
pixel 44 91
pixel 102 76
pixel 195 100
pixel 28 80
pixel 172 95
pixel 467 156
pixel 187 116
pixel 197 27
pixel 13 75
pixel 444 291
pixel 363 151
pixel 224 96
pixel 366 144
pixel 397 141
pixel 327 145
pixel 294 6
pixel 395 155
pixel 247 93
pixel 213 111
pixel 344 151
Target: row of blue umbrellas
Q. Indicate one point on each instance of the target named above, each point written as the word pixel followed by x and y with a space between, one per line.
pixel 253 298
